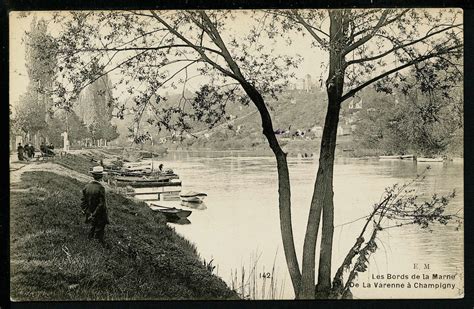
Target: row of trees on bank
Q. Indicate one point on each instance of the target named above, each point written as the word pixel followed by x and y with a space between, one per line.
pixel 363 48
pixel 426 124
pixel 38 118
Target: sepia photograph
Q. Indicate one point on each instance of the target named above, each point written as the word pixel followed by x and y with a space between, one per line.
pixel 265 154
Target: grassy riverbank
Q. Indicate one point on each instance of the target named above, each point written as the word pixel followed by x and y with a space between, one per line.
pixel 52 259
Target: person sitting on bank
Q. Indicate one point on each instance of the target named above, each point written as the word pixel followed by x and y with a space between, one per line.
pixel 48 151
pixel 43 148
pixel 94 205
pixel 26 151
pixel 32 151
pixel 20 152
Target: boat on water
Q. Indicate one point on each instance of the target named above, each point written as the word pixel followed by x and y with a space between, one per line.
pixel 408 157
pixel 148 184
pixel 171 213
pixel 137 166
pixel 145 178
pixel 421 159
pixel 397 157
pixel 192 196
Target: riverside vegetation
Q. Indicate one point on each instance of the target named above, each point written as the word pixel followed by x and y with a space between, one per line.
pixel 52 259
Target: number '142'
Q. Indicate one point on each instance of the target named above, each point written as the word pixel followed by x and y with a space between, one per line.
pixel 264 275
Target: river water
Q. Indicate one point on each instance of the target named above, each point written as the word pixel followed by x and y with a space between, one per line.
pixel 239 229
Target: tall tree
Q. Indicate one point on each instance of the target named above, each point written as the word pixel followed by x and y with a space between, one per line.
pixel 30 112
pixel 153 50
pixel 367 47
pixel 34 106
pixel 95 109
pixel 66 121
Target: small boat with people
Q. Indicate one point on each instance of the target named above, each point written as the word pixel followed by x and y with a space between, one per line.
pixel 192 196
pixel 171 213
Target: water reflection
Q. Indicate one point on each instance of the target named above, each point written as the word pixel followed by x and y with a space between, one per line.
pixel 180 221
pixel 241 215
pixel 193 205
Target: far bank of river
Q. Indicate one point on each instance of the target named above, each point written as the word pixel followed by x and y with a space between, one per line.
pixel 241 222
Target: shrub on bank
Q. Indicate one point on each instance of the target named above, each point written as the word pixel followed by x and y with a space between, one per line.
pixel 52 259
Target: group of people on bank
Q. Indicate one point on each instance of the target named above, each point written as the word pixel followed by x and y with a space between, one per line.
pixel 27 152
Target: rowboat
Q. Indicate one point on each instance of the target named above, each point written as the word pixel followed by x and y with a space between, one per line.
pixel 148 184
pixel 390 157
pixel 144 178
pixel 171 213
pixel 408 157
pixel 192 196
pixel 430 159
pixel 137 166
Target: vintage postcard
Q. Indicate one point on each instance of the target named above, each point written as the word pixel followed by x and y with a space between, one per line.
pixel 236 154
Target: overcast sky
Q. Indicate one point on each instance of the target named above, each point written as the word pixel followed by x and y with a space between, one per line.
pixel 313 58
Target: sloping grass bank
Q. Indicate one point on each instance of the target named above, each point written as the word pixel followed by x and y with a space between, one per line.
pixel 52 259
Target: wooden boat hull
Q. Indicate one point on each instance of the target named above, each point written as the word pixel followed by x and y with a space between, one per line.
pixel 430 160
pixel 145 184
pixel 192 197
pixel 390 157
pixel 142 179
pixel 171 213
pixel 408 157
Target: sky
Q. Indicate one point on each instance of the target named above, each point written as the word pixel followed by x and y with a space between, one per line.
pixel 313 58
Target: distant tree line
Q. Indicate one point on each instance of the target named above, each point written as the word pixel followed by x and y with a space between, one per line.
pixel 427 124
pixel 37 115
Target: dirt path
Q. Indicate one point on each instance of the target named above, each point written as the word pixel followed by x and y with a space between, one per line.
pixel 17 169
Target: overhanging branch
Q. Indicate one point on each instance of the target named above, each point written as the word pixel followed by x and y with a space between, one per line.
pixel 150 48
pixel 353 91
pixel 199 49
pixel 428 35
pixel 309 29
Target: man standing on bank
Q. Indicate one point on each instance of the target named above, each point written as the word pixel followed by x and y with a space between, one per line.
pixel 94 205
pixel 20 152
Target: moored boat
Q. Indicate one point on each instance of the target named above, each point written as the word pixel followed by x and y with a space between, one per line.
pixel 397 157
pixel 421 159
pixel 137 166
pixel 144 178
pixel 408 157
pixel 192 196
pixel 148 184
pixel 171 213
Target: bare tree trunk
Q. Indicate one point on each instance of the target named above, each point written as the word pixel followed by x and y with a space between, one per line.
pixel 324 190
pixel 284 192
pixel 322 200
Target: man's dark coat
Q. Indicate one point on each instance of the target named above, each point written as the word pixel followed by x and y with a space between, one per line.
pixel 94 203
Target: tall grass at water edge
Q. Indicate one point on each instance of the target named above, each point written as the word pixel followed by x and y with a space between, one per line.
pixel 251 281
